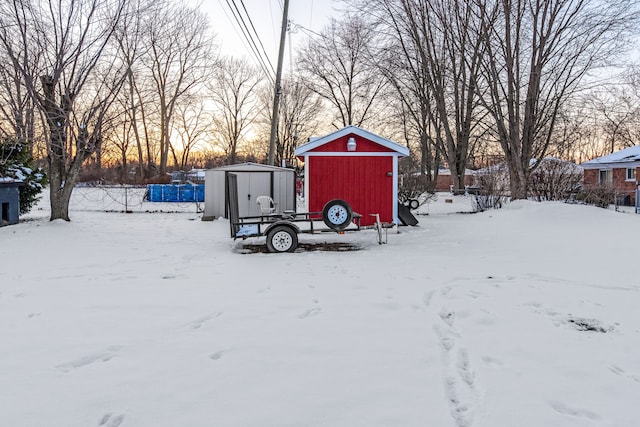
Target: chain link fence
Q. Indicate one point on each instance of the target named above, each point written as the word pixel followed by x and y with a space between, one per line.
pixel 121 198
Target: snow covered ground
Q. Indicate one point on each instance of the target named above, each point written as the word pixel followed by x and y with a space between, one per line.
pixel 524 316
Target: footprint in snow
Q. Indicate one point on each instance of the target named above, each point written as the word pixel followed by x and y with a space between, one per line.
pixel 311 312
pixel 492 361
pixel 476 294
pixel 447 339
pixel 426 298
pixel 110 420
pixel 197 324
pixel 102 356
pixel 460 411
pixel 464 369
pixel 564 409
pixel 216 356
pixel 619 371
pixel 447 316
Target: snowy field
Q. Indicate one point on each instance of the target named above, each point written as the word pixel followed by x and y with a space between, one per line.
pixel 524 316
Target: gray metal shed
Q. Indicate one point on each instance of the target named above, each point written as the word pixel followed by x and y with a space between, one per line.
pixel 254 180
pixel 9 201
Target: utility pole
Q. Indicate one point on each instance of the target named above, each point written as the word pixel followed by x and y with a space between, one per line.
pixel 276 97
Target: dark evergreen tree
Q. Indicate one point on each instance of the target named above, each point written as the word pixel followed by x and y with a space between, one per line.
pixel 17 162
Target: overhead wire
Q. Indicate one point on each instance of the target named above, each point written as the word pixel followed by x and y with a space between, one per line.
pixel 257 36
pixel 248 36
pixel 263 62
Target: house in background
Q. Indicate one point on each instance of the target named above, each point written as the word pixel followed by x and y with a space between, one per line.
pixel 620 170
pixel 444 181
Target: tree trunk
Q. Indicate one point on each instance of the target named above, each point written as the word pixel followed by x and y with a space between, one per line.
pixel 518 184
pixel 59 204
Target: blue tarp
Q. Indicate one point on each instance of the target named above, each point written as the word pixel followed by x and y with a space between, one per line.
pixel 176 192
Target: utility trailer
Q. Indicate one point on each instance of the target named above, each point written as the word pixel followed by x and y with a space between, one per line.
pixel 282 229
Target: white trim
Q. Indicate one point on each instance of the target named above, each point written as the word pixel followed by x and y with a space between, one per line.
pixel 395 191
pixel 351 154
pixel 611 165
pixel 306 183
pixel 315 143
pixel 626 175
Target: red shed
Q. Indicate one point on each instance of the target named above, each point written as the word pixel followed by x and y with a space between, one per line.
pixel 357 166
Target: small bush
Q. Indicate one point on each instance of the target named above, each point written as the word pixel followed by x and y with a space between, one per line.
pixel 602 196
pixel 413 186
pixel 492 188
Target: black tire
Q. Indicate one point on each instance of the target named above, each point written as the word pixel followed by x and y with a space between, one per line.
pixel 337 214
pixel 414 203
pixel 282 239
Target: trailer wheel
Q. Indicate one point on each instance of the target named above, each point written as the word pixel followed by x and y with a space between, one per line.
pixel 282 239
pixel 337 214
pixel 414 203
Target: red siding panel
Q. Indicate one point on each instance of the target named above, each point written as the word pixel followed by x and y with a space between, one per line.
pixel 361 181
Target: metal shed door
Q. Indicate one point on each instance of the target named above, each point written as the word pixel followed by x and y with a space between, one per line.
pixel 252 185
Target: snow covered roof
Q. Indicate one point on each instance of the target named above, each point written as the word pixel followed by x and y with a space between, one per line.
pixel 250 166
pixel 629 156
pixel 5 181
pixel 446 172
pixel 546 163
pixel 316 142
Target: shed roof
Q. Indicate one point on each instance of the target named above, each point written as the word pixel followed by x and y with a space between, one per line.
pixel 6 181
pixel 628 155
pixel 317 142
pixel 250 166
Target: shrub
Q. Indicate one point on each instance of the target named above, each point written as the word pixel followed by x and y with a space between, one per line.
pixel 602 196
pixel 16 162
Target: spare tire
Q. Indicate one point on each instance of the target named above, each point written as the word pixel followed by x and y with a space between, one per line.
pixel 337 214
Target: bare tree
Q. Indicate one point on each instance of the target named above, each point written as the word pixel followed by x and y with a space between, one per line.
pixel 137 93
pixel 179 61
pixel 537 53
pixel 60 51
pixel 300 110
pixel 191 126
pixel 235 95
pixel 441 44
pixel 618 112
pixel 413 103
pixel 18 115
pixel 338 66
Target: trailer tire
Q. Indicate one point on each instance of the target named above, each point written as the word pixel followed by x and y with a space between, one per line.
pixel 282 239
pixel 414 203
pixel 337 214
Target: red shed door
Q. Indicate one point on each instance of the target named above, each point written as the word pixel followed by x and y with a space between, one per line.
pixel 366 183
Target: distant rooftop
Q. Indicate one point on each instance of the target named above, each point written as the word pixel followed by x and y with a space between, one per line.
pixel 628 155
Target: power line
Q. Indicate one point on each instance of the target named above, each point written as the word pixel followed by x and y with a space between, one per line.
pixel 256 33
pixel 237 15
pixel 252 45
